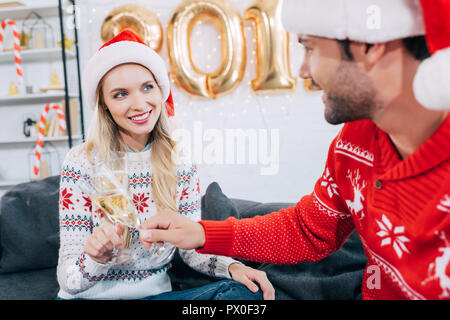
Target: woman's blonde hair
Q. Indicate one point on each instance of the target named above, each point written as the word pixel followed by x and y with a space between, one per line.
pixel 104 136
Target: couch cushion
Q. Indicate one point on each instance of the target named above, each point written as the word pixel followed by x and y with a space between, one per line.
pixel 29 226
pixel 29 285
pixel 338 276
pixel 216 206
pixel 260 209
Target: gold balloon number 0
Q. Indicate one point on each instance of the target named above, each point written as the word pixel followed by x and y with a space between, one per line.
pixel 272 43
pixel 230 26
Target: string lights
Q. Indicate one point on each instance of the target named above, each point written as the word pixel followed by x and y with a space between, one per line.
pixel 242 102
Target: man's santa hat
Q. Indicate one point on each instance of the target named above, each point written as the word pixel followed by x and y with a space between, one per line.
pixel 375 21
pixel 125 47
pixel 432 81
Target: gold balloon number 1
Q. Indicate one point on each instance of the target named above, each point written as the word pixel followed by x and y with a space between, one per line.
pixel 272 44
pixel 273 65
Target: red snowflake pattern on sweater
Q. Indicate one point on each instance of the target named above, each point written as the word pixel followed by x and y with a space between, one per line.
pixel 64 199
pixel 88 203
pixel 140 202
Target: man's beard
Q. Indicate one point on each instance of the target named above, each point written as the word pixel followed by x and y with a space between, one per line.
pixel 351 95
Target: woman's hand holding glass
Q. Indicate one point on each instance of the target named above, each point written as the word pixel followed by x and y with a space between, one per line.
pixel 104 241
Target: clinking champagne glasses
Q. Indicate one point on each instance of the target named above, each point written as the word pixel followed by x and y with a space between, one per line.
pixel 109 191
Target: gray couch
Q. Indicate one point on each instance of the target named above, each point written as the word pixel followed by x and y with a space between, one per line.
pixel 29 245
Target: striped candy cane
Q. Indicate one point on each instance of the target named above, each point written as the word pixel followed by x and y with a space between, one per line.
pixel 17 58
pixel 41 131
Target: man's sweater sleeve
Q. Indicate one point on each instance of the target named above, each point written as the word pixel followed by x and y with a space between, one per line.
pixel 316 226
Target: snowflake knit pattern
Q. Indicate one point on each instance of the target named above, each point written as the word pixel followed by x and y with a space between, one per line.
pixel 400 209
pixel 79 276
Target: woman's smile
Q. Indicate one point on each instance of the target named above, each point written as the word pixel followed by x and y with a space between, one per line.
pixel 141 118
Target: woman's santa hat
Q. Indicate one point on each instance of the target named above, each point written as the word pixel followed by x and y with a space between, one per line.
pixel 125 47
pixel 375 21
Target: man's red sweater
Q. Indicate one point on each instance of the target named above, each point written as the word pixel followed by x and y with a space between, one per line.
pixel 400 209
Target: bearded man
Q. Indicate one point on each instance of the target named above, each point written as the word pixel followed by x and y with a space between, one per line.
pixel 387 174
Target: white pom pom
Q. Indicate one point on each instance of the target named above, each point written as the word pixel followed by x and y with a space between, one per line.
pixel 432 81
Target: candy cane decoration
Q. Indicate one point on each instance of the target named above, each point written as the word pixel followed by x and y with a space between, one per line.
pixel 17 58
pixel 41 132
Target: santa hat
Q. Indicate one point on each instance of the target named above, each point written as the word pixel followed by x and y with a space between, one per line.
pixel 375 21
pixel 432 81
pixel 369 21
pixel 125 47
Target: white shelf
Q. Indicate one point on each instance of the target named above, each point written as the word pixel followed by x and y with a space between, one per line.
pixel 36 55
pixel 34 98
pixel 21 12
pixel 33 140
pixel 17 145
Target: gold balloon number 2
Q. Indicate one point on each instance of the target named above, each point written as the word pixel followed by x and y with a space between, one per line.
pixel 272 44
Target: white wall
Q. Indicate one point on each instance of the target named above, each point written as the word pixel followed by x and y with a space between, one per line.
pixel 304 136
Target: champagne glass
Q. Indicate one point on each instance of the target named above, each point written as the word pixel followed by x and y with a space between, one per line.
pixel 109 190
pixel 111 195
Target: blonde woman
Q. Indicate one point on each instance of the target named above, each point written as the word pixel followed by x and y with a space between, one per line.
pixel 127 84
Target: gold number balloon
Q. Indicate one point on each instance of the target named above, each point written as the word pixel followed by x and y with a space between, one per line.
pixel 273 66
pixel 137 19
pixel 231 30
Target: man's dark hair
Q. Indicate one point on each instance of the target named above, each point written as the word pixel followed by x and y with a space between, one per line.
pixel 416 46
